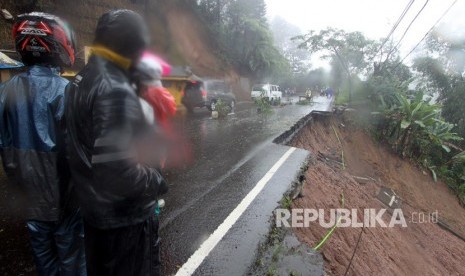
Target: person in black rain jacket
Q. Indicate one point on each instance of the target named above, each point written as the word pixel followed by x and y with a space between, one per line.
pixel 116 191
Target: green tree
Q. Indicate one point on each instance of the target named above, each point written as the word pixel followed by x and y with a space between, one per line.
pixel 441 73
pixel 242 34
pixel 352 50
pixel 283 32
pixel 385 84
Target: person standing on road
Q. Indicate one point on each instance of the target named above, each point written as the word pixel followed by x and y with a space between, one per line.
pixel 158 105
pixel 147 75
pixel 329 92
pixel 105 121
pixel 171 149
pixel 32 143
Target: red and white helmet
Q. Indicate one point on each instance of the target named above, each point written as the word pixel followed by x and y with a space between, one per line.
pixel 42 38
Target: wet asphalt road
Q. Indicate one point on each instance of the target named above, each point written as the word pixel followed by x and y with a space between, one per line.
pixel 229 157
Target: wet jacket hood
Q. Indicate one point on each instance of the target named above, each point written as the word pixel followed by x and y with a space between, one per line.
pixel 124 32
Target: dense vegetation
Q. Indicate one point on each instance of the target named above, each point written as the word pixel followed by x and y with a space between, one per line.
pixel 241 32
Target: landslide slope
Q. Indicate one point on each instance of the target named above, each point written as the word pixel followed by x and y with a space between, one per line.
pixel 418 249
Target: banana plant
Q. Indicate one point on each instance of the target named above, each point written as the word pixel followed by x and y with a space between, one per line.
pixel 459 158
pixel 414 117
pixel 441 133
pixel 415 126
pixel 417 111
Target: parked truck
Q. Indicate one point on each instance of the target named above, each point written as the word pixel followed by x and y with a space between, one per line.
pixel 269 92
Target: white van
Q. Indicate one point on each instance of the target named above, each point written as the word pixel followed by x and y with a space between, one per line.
pixel 268 91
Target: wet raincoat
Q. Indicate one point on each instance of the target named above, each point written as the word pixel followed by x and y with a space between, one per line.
pixel 31 140
pixel 33 154
pixel 104 121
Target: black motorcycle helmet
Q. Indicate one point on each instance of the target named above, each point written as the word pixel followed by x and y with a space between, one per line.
pixel 42 38
pixel 124 32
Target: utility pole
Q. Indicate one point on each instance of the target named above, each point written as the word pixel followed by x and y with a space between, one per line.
pixel 346 68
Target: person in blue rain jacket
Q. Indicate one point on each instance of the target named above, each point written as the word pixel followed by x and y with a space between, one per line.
pixel 32 144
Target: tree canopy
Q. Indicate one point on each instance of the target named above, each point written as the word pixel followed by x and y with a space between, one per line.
pixel 442 68
pixel 242 33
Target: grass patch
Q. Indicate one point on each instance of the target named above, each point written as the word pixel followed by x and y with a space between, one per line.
pixel 286 202
pixel 272 271
pixel 305 102
pixel 263 105
pixel 342 97
pixel 223 108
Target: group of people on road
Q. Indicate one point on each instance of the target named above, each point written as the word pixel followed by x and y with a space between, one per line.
pixel 77 150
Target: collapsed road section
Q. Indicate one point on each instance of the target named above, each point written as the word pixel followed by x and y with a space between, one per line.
pixel 347 161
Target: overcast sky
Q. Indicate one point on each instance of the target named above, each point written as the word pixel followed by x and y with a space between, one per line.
pixel 374 18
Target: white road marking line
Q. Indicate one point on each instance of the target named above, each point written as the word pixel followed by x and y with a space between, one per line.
pixel 207 246
pixel 393 198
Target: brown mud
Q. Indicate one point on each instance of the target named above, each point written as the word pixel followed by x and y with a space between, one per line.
pixel 418 249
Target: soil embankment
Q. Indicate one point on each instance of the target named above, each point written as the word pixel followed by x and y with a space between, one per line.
pixel 419 249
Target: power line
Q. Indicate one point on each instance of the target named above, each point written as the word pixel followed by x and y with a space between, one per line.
pixel 406 30
pixel 404 12
pixel 355 250
pixel 394 27
pixel 427 33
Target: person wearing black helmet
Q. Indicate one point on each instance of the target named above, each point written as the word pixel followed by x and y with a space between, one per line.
pixel 32 143
pixel 105 122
